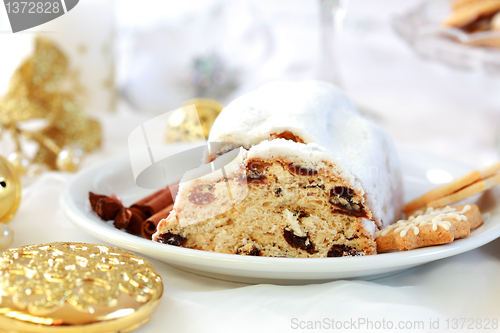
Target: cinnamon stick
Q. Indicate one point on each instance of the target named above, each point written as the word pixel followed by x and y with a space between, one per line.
pixel 155 202
pixel 151 209
pixel 149 225
pixel 139 204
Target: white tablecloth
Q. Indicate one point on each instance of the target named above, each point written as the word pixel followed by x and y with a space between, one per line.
pixel 423 105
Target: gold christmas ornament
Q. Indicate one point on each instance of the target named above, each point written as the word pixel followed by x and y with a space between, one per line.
pixel 10 196
pixel 10 191
pixel 69 159
pixel 75 287
pixel 183 126
pixel 42 88
pixel 19 161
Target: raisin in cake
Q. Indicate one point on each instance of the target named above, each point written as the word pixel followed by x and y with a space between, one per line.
pixel 298 173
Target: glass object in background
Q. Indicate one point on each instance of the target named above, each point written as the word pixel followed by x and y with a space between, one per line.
pixel 332 14
pixel 422 28
pixel 221 49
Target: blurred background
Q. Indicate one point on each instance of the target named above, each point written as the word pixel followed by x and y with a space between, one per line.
pixel 128 63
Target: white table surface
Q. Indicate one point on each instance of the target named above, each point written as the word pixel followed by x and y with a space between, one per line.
pixel 423 105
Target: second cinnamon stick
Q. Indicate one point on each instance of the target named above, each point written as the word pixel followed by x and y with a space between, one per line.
pixel 149 226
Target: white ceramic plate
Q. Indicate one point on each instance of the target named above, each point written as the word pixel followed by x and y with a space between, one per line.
pixel 115 176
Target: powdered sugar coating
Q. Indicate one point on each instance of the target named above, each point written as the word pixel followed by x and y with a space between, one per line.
pixel 332 130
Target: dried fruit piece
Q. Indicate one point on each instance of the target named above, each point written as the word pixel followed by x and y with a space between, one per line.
pixel 171 239
pixel 287 135
pixel 255 173
pixel 302 171
pixel 342 197
pixel 201 198
pixel 342 251
pixel 298 242
pixel 248 250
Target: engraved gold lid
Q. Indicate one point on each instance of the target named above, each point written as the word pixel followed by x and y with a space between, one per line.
pixel 75 287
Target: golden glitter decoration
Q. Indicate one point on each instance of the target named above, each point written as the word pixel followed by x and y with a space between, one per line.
pixel 10 191
pixel 184 126
pixel 40 89
pixel 75 287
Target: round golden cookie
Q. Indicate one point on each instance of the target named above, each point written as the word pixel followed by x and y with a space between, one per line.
pixel 75 287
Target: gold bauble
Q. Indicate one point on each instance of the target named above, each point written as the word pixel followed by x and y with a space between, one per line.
pixel 10 191
pixel 69 159
pixel 184 126
pixel 75 287
pixel 19 161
